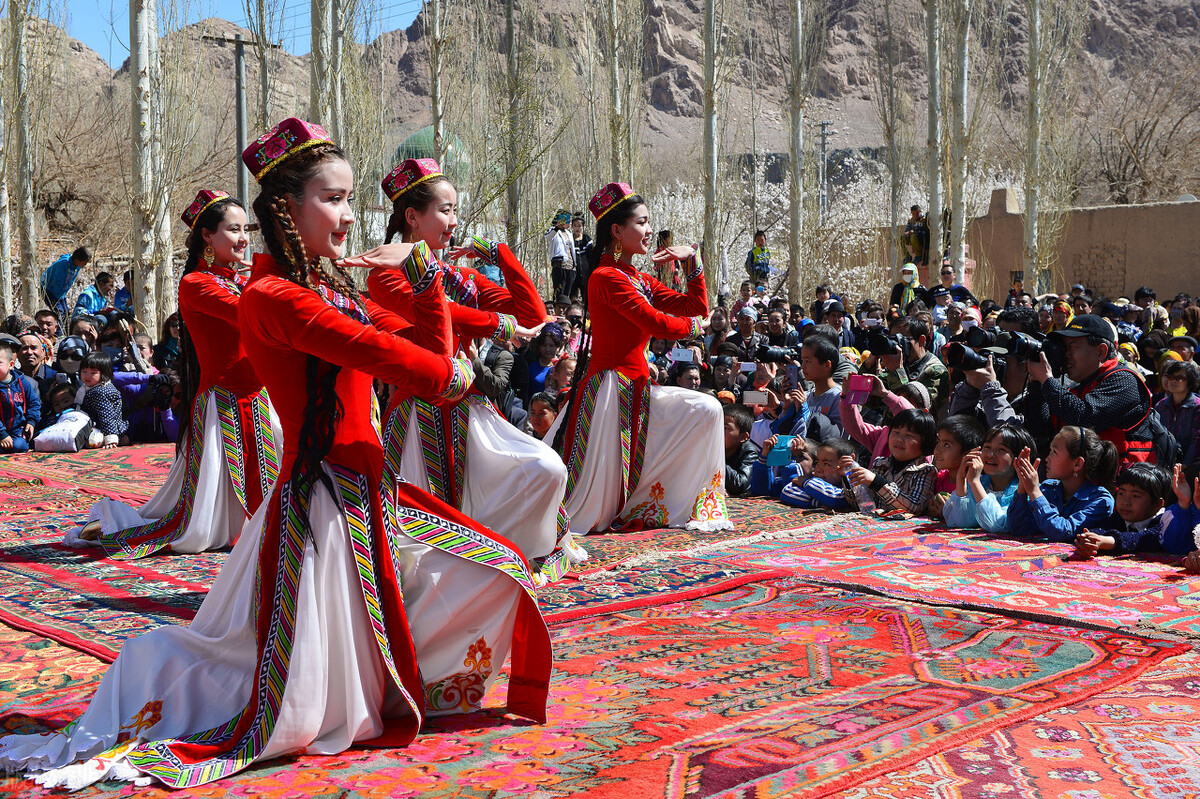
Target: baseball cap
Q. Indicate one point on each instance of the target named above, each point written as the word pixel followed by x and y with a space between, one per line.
pixel 1087 325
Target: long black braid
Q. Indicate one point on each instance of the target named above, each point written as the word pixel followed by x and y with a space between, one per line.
pixel 283 242
pixel 189 364
pixel 604 237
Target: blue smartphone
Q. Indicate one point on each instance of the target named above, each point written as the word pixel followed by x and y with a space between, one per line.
pixel 781 453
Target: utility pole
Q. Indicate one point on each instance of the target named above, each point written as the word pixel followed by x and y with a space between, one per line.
pixel 239 83
pixel 825 134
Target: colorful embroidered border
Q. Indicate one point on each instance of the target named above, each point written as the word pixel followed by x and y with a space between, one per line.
pixel 158 759
pixel 356 505
pixel 234 286
pixel 463 542
pixel 459 286
pixel 420 268
pixel 343 303
pixel 506 329
pixel 694 266
pixel 486 251
pixel 462 376
pixel 433 448
pixel 638 456
pixel 695 327
pixel 161 533
pixel 229 416
pixel 555 566
pixel 583 424
pixel 564 520
pixel 264 438
pixel 625 418
pixel 460 415
pixel 394 434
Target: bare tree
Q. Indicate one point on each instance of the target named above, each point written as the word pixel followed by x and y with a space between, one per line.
pixel 23 154
pixel 797 93
pixel 263 21
pixel 933 140
pixel 6 272
pixel 320 87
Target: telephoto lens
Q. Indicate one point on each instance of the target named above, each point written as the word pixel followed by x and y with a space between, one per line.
pixel 960 356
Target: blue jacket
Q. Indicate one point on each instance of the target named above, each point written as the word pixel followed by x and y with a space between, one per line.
pixel 90 301
pixel 19 405
pixel 1170 531
pixel 123 301
pixel 964 513
pixel 1058 520
pixel 59 277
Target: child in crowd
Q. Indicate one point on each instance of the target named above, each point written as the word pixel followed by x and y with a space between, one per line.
pixel 956 436
pixel 560 378
pixel 986 481
pixel 740 454
pixel 1140 524
pixel 102 400
pixel 874 437
pixel 813 481
pixel 543 410
pixel 1073 495
pixel 59 399
pixel 1180 408
pixel 819 358
pixel 20 404
pixel 903 481
pixel 145 350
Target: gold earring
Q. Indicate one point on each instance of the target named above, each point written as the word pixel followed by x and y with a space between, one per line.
pixel 210 255
pixel 617 251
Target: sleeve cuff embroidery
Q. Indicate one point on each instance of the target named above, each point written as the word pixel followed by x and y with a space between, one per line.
pixel 694 267
pixel 487 251
pixel 420 268
pixel 462 375
pixel 696 327
pixel 506 329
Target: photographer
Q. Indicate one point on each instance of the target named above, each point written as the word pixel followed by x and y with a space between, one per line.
pixel 922 365
pixel 1109 397
pixel 1001 399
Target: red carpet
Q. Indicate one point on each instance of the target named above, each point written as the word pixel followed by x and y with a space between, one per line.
pixel 130 474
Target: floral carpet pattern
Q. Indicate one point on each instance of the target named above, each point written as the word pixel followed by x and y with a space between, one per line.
pixel 130 474
pixel 968 569
pixel 771 689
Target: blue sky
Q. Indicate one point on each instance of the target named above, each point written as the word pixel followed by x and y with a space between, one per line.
pixel 103 25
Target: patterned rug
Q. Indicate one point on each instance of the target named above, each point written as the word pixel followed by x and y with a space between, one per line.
pixel 1138 739
pixel 33 511
pixel 985 572
pixel 130 474
pixel 752 517
pixel 764 691
pixel 94 604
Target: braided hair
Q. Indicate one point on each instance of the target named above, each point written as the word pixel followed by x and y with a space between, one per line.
pixel 619 215
pixel 189 364
pixel 284 244
pixel 418 197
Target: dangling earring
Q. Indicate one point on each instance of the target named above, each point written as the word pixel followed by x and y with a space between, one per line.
pixel 617 251
pixel 210 255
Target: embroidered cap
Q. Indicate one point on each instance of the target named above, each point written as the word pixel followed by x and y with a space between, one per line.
pixel 608 198
pixel 409 174
pixel 289 137
pixel 204 198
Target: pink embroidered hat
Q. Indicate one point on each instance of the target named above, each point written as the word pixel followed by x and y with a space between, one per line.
pixel 289 137
pixel 409 174
pixel 608 198
pixel 204 198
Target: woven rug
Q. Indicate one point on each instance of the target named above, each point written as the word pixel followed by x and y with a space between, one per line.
pixel 130 474
pixel 94 604
pixel 752 517
pixel 1138 739
pixel 33 511
pixel 764 691
pixel 984 572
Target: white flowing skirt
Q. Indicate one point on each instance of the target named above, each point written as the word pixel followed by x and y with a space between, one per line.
pixel 678 467
pixel 200 491
pixel 512 483
pixel 178 680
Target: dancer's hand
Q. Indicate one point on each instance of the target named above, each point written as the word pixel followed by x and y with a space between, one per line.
pixel 680 252
pixel 524 334
pixel 462 252
pixel 391 256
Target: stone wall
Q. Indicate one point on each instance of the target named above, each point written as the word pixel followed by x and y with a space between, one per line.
pixel 1112 250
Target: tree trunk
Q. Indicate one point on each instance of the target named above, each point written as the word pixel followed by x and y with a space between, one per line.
pixel 142 17
pixel 511 225
pixel 337 70
pixel 616 111
pixel 437 106
pixel 796 156
pixel 708 167
pixel 319 93
pixel 933 141
pixel 23 154
pixel 6 271
pixel 1033 144
pixel 958 144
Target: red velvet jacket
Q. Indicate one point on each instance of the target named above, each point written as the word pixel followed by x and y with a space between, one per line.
pixel 208 303
pixel 628 307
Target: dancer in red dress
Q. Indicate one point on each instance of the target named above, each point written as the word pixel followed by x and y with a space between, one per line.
pixel 466 454
pixel 305 642
pixel 230 443
pixel 638 455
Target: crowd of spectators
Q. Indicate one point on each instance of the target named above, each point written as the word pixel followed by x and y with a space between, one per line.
pixel 94 376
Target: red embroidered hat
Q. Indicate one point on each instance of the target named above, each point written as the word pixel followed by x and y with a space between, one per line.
pixel 204 198
pixel 409 174
pixel 608 197
pixel 289 137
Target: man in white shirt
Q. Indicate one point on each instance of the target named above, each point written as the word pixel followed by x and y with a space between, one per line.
pixel 561 246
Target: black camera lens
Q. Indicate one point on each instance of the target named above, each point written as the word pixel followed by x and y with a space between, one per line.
pixel 960 356
pixel 979 337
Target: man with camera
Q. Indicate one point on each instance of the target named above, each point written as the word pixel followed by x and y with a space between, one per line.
pixel 922 365
pixel 1000 395
pixel 1108 397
